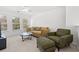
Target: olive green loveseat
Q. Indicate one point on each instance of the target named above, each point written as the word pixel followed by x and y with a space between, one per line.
pixel 62 37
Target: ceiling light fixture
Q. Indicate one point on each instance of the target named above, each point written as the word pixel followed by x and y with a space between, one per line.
pixel 26 10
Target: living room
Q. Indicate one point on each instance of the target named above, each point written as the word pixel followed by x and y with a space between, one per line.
pixel 18 20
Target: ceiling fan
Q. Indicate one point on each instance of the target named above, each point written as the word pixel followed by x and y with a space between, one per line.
pixel 26 9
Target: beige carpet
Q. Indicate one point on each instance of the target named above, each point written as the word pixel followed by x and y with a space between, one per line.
pixel 15 44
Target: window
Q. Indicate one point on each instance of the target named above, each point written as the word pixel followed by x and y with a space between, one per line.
pixel 25 24
pixel 4 24
pixel 16 23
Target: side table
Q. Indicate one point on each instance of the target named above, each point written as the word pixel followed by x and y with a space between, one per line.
pixel 2 43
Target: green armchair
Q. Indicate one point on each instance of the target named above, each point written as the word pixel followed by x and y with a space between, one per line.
pixel 62 37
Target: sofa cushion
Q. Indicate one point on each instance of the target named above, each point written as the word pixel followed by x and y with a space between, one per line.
pixel 44 28
pixel 61 42
pixel 54 38
pixel 36 32
pixel 36 28
pixel 45 43
pixel 61 32
pixel 44 32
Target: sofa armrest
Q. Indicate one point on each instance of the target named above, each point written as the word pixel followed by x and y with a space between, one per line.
pixel 51 34
pixel 67 38
pixel 64 40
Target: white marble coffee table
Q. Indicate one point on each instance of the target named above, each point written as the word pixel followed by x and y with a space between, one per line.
pixel 26 35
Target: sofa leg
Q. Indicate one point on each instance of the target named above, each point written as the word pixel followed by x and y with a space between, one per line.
pixel 69 45
pixel 37 46
pixel 58 49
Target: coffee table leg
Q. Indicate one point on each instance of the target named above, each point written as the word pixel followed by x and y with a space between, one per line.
pixel 22 38
pixel 30 37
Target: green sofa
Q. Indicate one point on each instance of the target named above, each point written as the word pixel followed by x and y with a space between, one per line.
pixel 62 38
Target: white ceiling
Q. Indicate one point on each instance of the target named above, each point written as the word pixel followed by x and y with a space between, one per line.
pixel 32 9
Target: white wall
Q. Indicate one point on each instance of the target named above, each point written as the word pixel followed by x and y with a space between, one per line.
pixel 72 22
pixel 53 19
pixel 72 15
